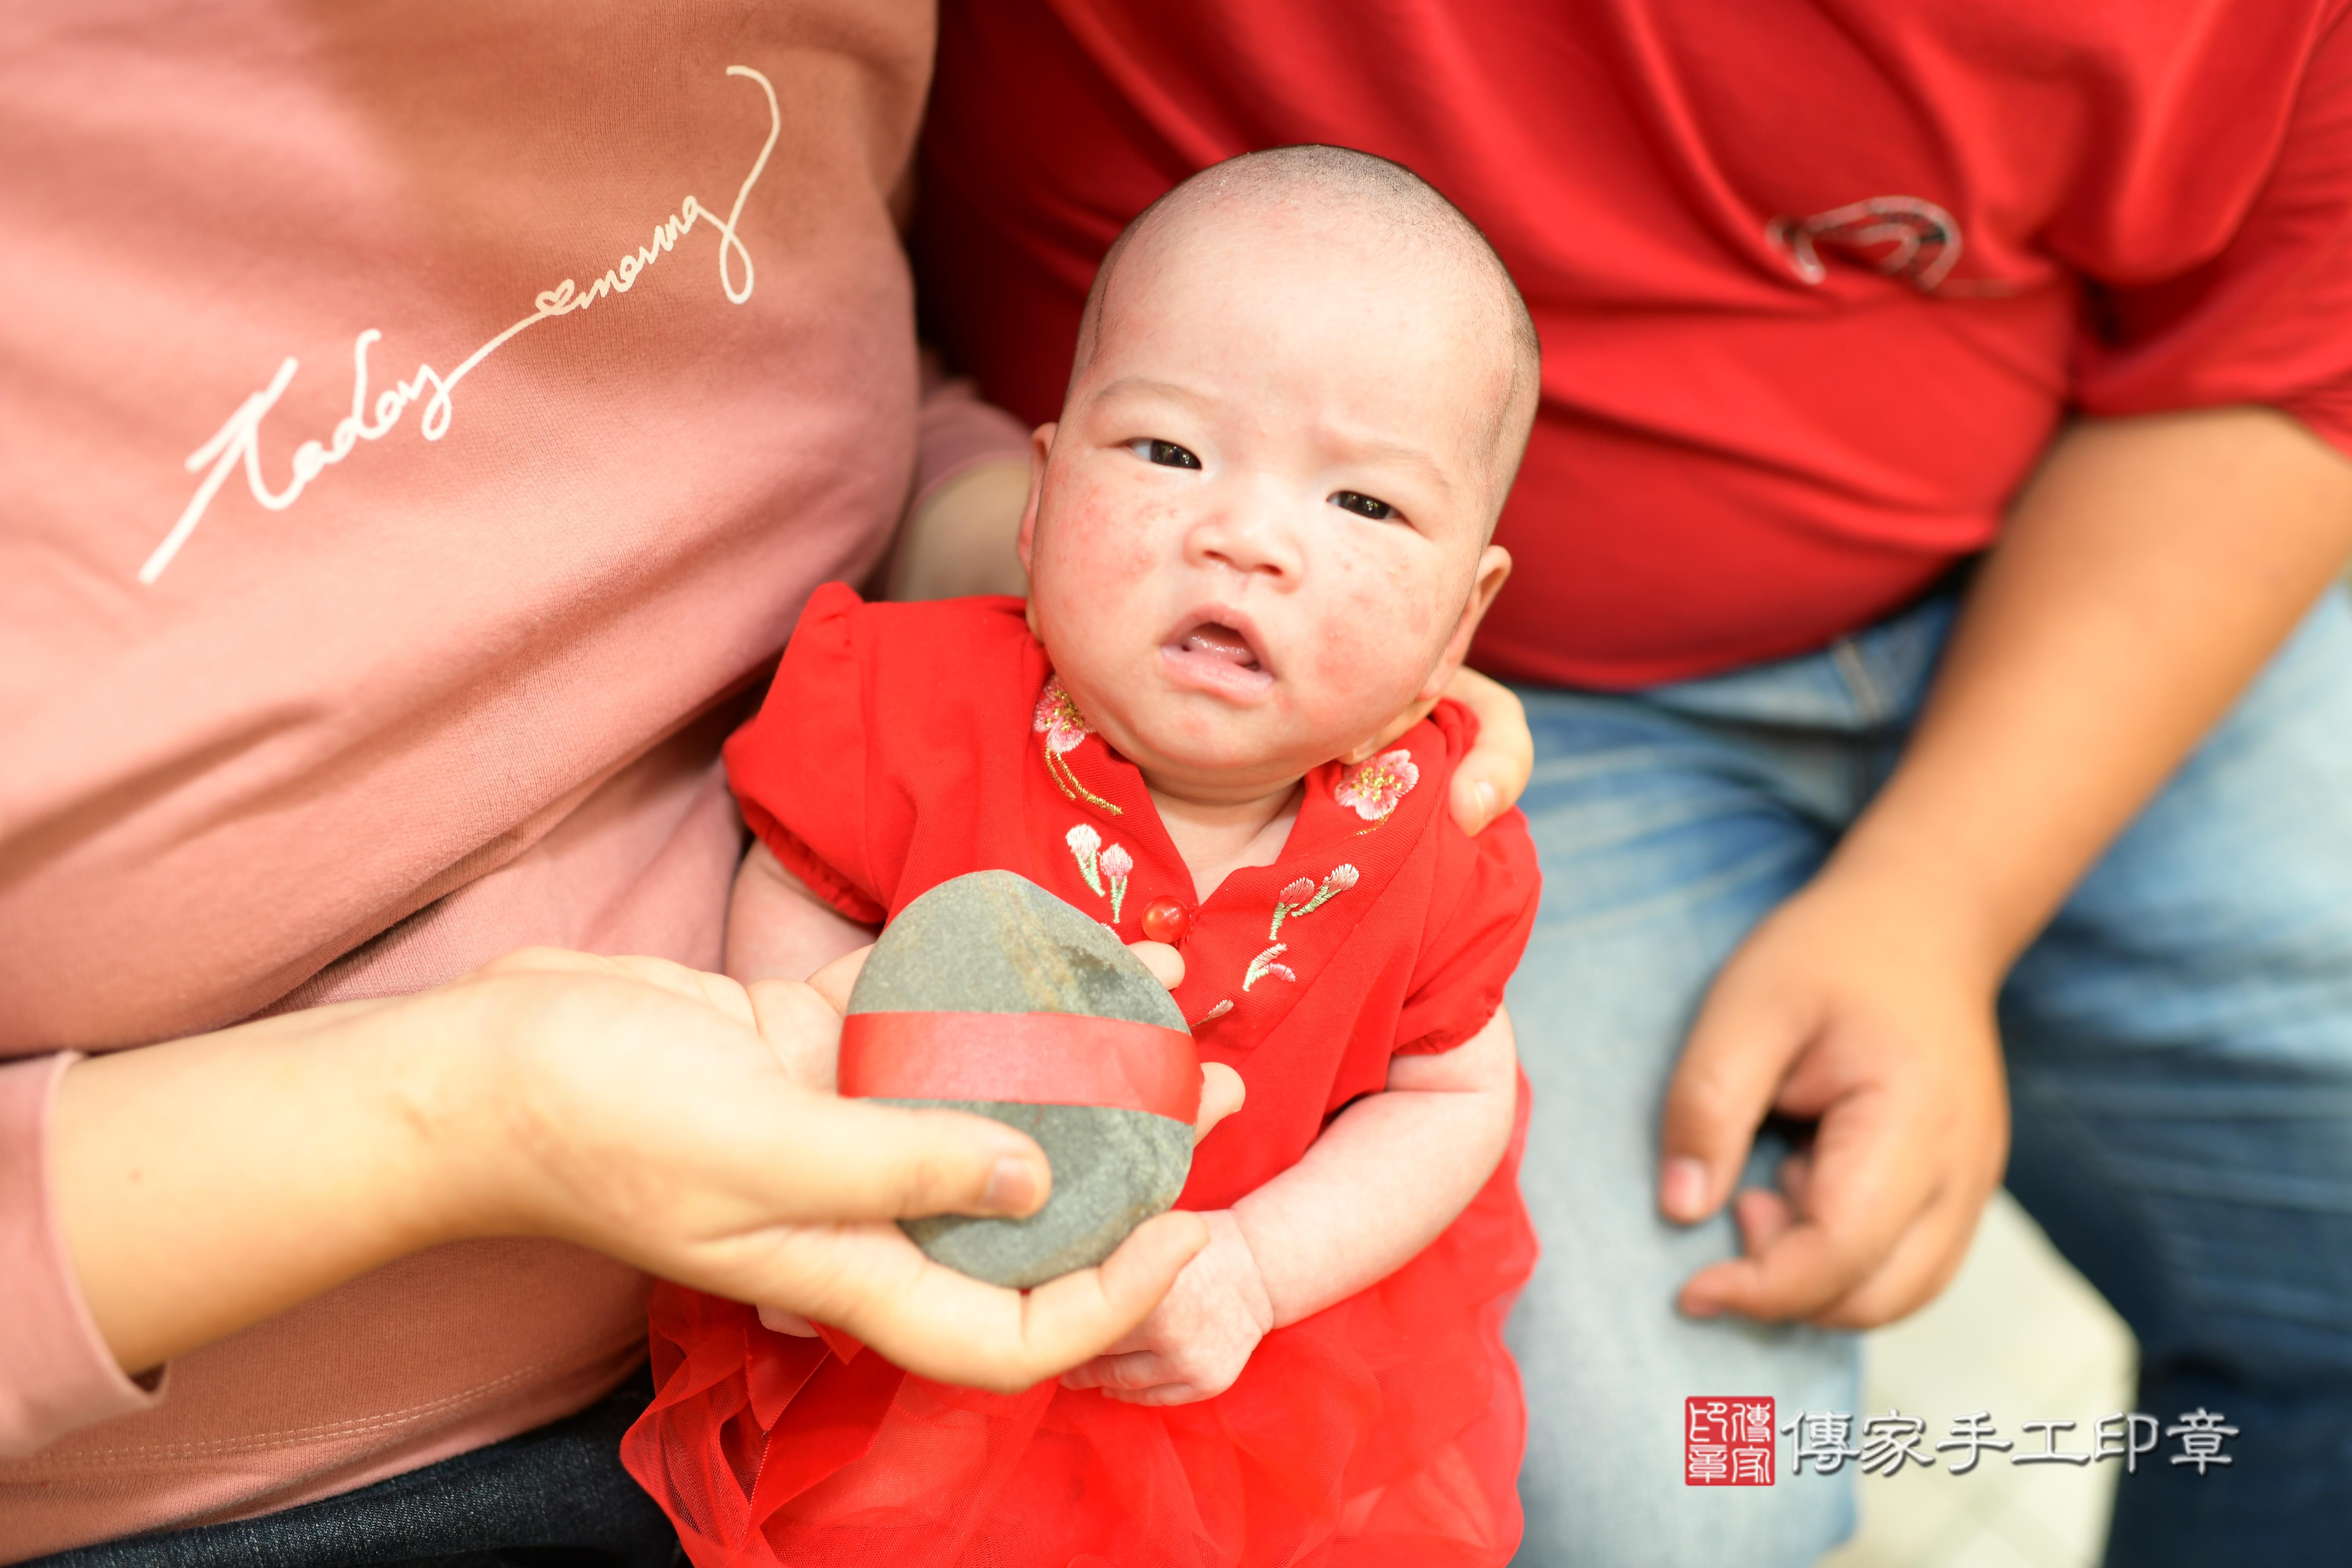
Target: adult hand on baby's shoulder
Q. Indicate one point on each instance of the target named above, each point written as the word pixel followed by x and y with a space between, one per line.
pixel 1196 1341
pixel 1490 780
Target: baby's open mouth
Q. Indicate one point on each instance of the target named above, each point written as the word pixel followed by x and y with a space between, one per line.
pixel 1219 641
pixel 1220 656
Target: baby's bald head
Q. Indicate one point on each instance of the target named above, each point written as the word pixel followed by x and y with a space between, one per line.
pixel 1262 527
pixel 1354 201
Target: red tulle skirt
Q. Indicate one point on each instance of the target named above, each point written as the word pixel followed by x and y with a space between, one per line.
pixel 1386 1430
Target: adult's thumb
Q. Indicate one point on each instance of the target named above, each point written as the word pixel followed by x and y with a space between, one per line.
pixel 1731 1068
pixel 824 1160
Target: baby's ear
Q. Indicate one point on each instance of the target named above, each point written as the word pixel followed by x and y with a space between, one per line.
pixel 1041 447
pixel 1494 571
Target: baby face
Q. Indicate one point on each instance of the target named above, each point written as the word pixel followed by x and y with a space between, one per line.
pixel 1258 531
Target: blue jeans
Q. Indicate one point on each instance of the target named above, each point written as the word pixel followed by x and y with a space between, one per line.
pixel 2180 1051
pixel 553 1498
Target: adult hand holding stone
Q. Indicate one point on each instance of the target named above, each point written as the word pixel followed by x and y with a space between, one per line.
pixel 1222 1092
pixel 628 1105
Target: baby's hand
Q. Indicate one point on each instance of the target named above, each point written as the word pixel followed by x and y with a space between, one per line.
pixel 1198 1339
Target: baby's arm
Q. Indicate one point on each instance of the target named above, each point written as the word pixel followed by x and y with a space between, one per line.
pixel 778 929
pixel 1385 1178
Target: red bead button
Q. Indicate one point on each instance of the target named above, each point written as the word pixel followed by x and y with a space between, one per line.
pixel 1166 919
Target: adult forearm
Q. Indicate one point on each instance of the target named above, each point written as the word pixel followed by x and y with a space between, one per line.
pixel 206 1184
pixel 629 1105
pixel 2149 570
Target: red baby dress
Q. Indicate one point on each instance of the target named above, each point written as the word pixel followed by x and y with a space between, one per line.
pixel 905 744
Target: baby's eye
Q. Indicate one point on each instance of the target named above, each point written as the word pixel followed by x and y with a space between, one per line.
pixel 1363 505
pixel 1167 454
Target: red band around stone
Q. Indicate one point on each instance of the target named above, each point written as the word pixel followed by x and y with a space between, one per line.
pixel 1035 1059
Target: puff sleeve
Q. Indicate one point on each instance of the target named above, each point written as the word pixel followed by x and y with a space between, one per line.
pixel 801 768
pixel 1481 909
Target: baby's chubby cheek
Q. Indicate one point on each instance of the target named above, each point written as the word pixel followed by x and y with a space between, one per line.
pixel 1096 548
pixel 1378 630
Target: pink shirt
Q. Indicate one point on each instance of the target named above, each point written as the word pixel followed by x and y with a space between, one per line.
pixel 420 421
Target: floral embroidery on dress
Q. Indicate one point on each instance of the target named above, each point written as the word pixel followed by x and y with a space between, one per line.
pixel 1300 898
pixel 1304 897
pixel 1264 965
pixel 1374 787
pixel 1099 863
pixel 1058 720
pixel 1116 865
pixel 1084 842
pixel 1215 1012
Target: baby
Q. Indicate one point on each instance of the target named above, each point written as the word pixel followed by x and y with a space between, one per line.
pixel 1257 542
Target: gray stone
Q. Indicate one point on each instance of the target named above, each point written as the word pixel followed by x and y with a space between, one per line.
pixel 1112 1170
pixel 996 942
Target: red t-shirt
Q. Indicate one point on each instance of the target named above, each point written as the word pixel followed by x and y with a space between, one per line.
pixel 1383 928
pixel 1816 278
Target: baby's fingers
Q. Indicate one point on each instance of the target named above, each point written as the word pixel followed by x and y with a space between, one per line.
pixel 1164 1395
pixel 1131 1372
pixel 785 1320
pixel 835 981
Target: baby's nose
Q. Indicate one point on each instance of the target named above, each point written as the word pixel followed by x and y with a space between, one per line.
pixel 1249 536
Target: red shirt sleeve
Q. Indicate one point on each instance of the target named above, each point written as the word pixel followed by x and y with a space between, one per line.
pixel 806 759
pixel 2264 315
pixel 1482 907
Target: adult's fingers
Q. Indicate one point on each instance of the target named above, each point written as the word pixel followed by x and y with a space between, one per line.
pixel 1731 1068
pixel 1222 1093
pixel 947 1326
pixel 1915 1272
pixel 802 1027
pixel 1490 780
pixel 795 1156
pixel 1765 1215
pixel 1220 1087
pixel 1865 1190
pixel 677 979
